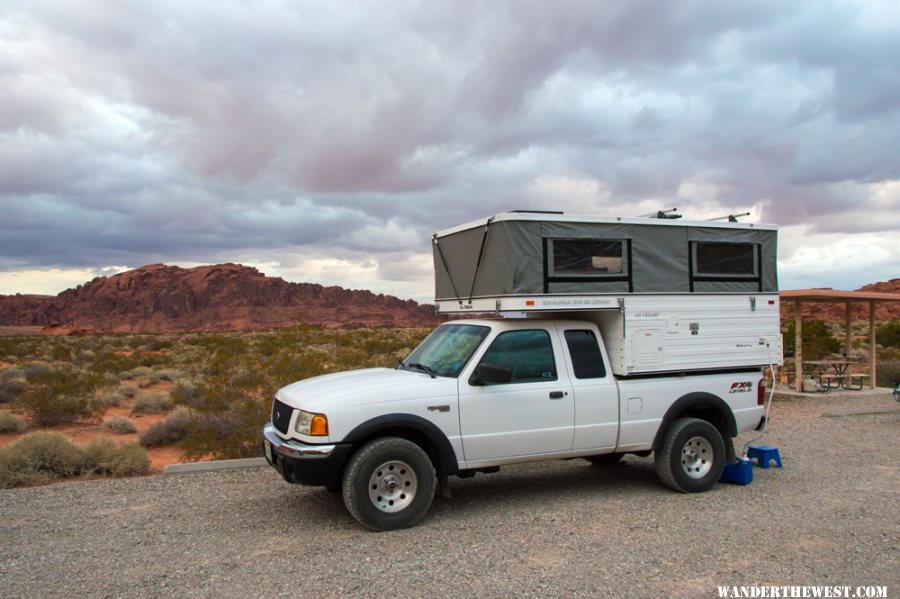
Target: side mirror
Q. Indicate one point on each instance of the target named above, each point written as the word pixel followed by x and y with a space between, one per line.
pixel 490 374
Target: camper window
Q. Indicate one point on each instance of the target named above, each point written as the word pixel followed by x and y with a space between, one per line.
pixel 725 259
pixel 585 257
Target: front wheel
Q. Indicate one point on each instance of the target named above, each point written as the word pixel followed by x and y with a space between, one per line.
pixel 389 484
pixel 692 456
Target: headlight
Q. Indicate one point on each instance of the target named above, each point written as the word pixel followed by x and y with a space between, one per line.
pixel 314 425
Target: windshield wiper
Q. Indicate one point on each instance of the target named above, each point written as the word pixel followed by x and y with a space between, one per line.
pixel 427 369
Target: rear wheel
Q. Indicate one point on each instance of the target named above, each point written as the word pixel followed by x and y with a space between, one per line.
pixel 692 456
pixel 389 484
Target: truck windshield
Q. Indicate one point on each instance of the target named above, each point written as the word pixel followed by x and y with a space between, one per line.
pixel 446 350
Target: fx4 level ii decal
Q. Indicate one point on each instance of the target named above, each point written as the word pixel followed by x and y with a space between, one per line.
pixel 742 387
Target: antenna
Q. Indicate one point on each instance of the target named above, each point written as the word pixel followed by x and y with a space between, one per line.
pixel 663 214
pixel 732 218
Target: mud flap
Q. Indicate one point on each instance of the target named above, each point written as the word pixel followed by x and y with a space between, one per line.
pixel 444 485
pixel 730 456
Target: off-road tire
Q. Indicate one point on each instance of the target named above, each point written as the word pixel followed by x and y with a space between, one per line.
pixel 692 456
pixel 379 480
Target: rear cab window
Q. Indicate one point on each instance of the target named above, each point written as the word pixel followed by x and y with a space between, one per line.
pixel 587 359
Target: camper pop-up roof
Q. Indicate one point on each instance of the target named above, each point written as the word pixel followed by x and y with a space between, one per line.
pixel 519 254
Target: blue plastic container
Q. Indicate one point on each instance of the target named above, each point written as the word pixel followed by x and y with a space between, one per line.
pixel 740 473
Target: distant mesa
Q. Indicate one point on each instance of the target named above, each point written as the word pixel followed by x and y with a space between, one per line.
pixel 168 299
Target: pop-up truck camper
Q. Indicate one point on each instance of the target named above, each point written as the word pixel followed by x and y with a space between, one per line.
pixel 590 337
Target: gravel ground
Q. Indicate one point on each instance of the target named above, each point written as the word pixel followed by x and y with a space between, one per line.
pixel 831 516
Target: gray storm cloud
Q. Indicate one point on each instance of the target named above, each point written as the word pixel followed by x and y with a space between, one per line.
pixel 133 132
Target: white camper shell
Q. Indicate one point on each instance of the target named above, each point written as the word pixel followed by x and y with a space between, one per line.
pixel 667 295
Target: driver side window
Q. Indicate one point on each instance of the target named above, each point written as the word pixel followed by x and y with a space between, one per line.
pixel 528 354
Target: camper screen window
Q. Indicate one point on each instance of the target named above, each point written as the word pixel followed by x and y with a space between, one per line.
pixel 726 259
pixel 586 257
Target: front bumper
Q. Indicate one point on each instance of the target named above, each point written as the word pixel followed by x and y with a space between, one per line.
pixel 298 463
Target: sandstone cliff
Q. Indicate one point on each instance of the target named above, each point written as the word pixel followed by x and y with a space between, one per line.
pixel 160 299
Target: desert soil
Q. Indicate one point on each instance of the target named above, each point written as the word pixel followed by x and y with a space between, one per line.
pixel 830 516
pixel 84 430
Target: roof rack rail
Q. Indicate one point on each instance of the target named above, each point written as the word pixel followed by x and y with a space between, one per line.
pixel 662 214
pixel 732 218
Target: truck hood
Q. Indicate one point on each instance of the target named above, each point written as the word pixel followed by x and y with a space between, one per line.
pixel 355 387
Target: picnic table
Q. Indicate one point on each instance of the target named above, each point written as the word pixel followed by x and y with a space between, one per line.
pixel 835 374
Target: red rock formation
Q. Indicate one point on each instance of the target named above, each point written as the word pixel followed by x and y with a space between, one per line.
pixel 160 299
pixel 65 330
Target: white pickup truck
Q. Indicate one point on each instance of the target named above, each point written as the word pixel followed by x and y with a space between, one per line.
pixel 480 394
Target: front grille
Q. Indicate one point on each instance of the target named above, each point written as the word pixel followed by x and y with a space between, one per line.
pixel 281 416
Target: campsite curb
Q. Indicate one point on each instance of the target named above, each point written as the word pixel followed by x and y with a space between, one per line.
pixel 214 466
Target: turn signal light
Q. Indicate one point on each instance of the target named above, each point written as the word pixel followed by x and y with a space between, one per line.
pixel 318 427
pixel 761 392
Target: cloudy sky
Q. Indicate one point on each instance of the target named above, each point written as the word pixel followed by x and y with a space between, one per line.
pixel 326 141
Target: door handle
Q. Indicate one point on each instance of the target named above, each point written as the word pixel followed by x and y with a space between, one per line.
pixel 556 395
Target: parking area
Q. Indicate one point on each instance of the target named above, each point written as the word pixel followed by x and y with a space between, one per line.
pixel 831 516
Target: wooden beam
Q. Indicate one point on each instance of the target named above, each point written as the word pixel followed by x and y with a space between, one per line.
pixel 872 343
pixel 798 345
pixel 847 336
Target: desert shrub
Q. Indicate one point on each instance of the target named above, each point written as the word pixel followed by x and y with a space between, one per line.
pixel 888 334
pixel 120 425
pixel 888 374
pixel 38 457
pixel 129 391
pixel 108 399
pixel 169 374
pixel 151 403
pixel 61 353
pixel 230 434
pixel 102 456
pixel 61 395
pixel 108 361
pixel 818 342
pixel 10 390
pixel 158 344
pixel 170 431
pixel 10 423
pixel 85 356
pixel 34 369
pixel 136 373
pixel 11 374
pixel 186 394
pixel 149 380
pixel 42 457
